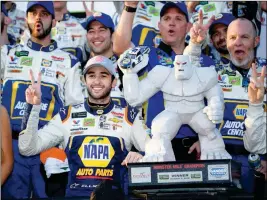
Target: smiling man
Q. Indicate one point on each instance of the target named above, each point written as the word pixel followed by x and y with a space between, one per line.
pixel 97 135
pixel 218 50
pixel 100 29
pixel 241 41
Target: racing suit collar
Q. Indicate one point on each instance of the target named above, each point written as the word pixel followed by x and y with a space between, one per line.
pixel 38 47
pixel 98 110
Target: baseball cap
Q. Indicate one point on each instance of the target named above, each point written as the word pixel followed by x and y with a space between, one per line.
pixel 3 9
pixel 97 61
pixel 102 18
pixel 222 18
pixel 48 5
pixel 180 5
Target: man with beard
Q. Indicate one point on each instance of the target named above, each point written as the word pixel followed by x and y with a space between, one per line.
pixel 60 86
pixel 5 38
pixel 241 42
pixel 100 29
pixel 217 32
pixel 68 32
pixel 97 135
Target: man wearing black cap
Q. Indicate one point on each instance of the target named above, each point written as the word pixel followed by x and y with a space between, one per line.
pixel 97 135
pixel 173 26
pixel 5 38
pixel 60 86
pixel 217 32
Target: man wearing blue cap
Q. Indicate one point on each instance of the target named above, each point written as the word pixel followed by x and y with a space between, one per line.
pixel 68 31
pixel 100 29
pixel 97 135
pixel 5 38
pixel 217 32
pixel 173 27
pixel 60 86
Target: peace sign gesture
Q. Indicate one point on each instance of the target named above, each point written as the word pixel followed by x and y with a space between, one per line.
pixel 33 92
pixel 199 31
pixel 256 85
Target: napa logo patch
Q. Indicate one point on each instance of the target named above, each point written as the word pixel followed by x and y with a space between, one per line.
pixel 240 111
pixel 96 151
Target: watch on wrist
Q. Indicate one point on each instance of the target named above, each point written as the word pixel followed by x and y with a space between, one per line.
pixel 129 9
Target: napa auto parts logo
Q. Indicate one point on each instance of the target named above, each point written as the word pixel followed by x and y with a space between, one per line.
pixel 141 175
pixel 96 151
pixel 218 172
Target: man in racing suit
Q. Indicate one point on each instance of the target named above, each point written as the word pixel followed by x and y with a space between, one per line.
pixel 217 50
pixel 18 25
pixel 61 86
pixel 241 42
pixel 96 134
pixel 68 32
pixel 100 29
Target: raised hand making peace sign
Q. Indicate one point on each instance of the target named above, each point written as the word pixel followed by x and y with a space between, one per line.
pixel 33 93
pixel 199 31
pixel 256 85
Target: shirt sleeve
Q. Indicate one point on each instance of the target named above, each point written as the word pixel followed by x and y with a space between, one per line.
pixel 255 134
pixel 33 141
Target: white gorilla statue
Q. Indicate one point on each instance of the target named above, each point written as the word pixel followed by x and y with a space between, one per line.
pixel 184 88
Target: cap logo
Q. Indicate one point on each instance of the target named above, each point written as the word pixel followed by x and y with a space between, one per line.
pixel 99 59
pixel 97 14
pixel 219 16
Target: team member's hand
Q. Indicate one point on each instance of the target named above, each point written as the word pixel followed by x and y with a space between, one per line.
pixel 256 85
pixel 132 157
pixel 263 168
pixel 33 93
pixel 195 146
pixel 87 11
pixel 132 4
pixel 198 31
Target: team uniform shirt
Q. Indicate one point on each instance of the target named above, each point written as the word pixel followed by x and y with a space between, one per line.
pixel 18 24
pixel 69 34
pixel 234 83
pixel 164 55
pixel 96 141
